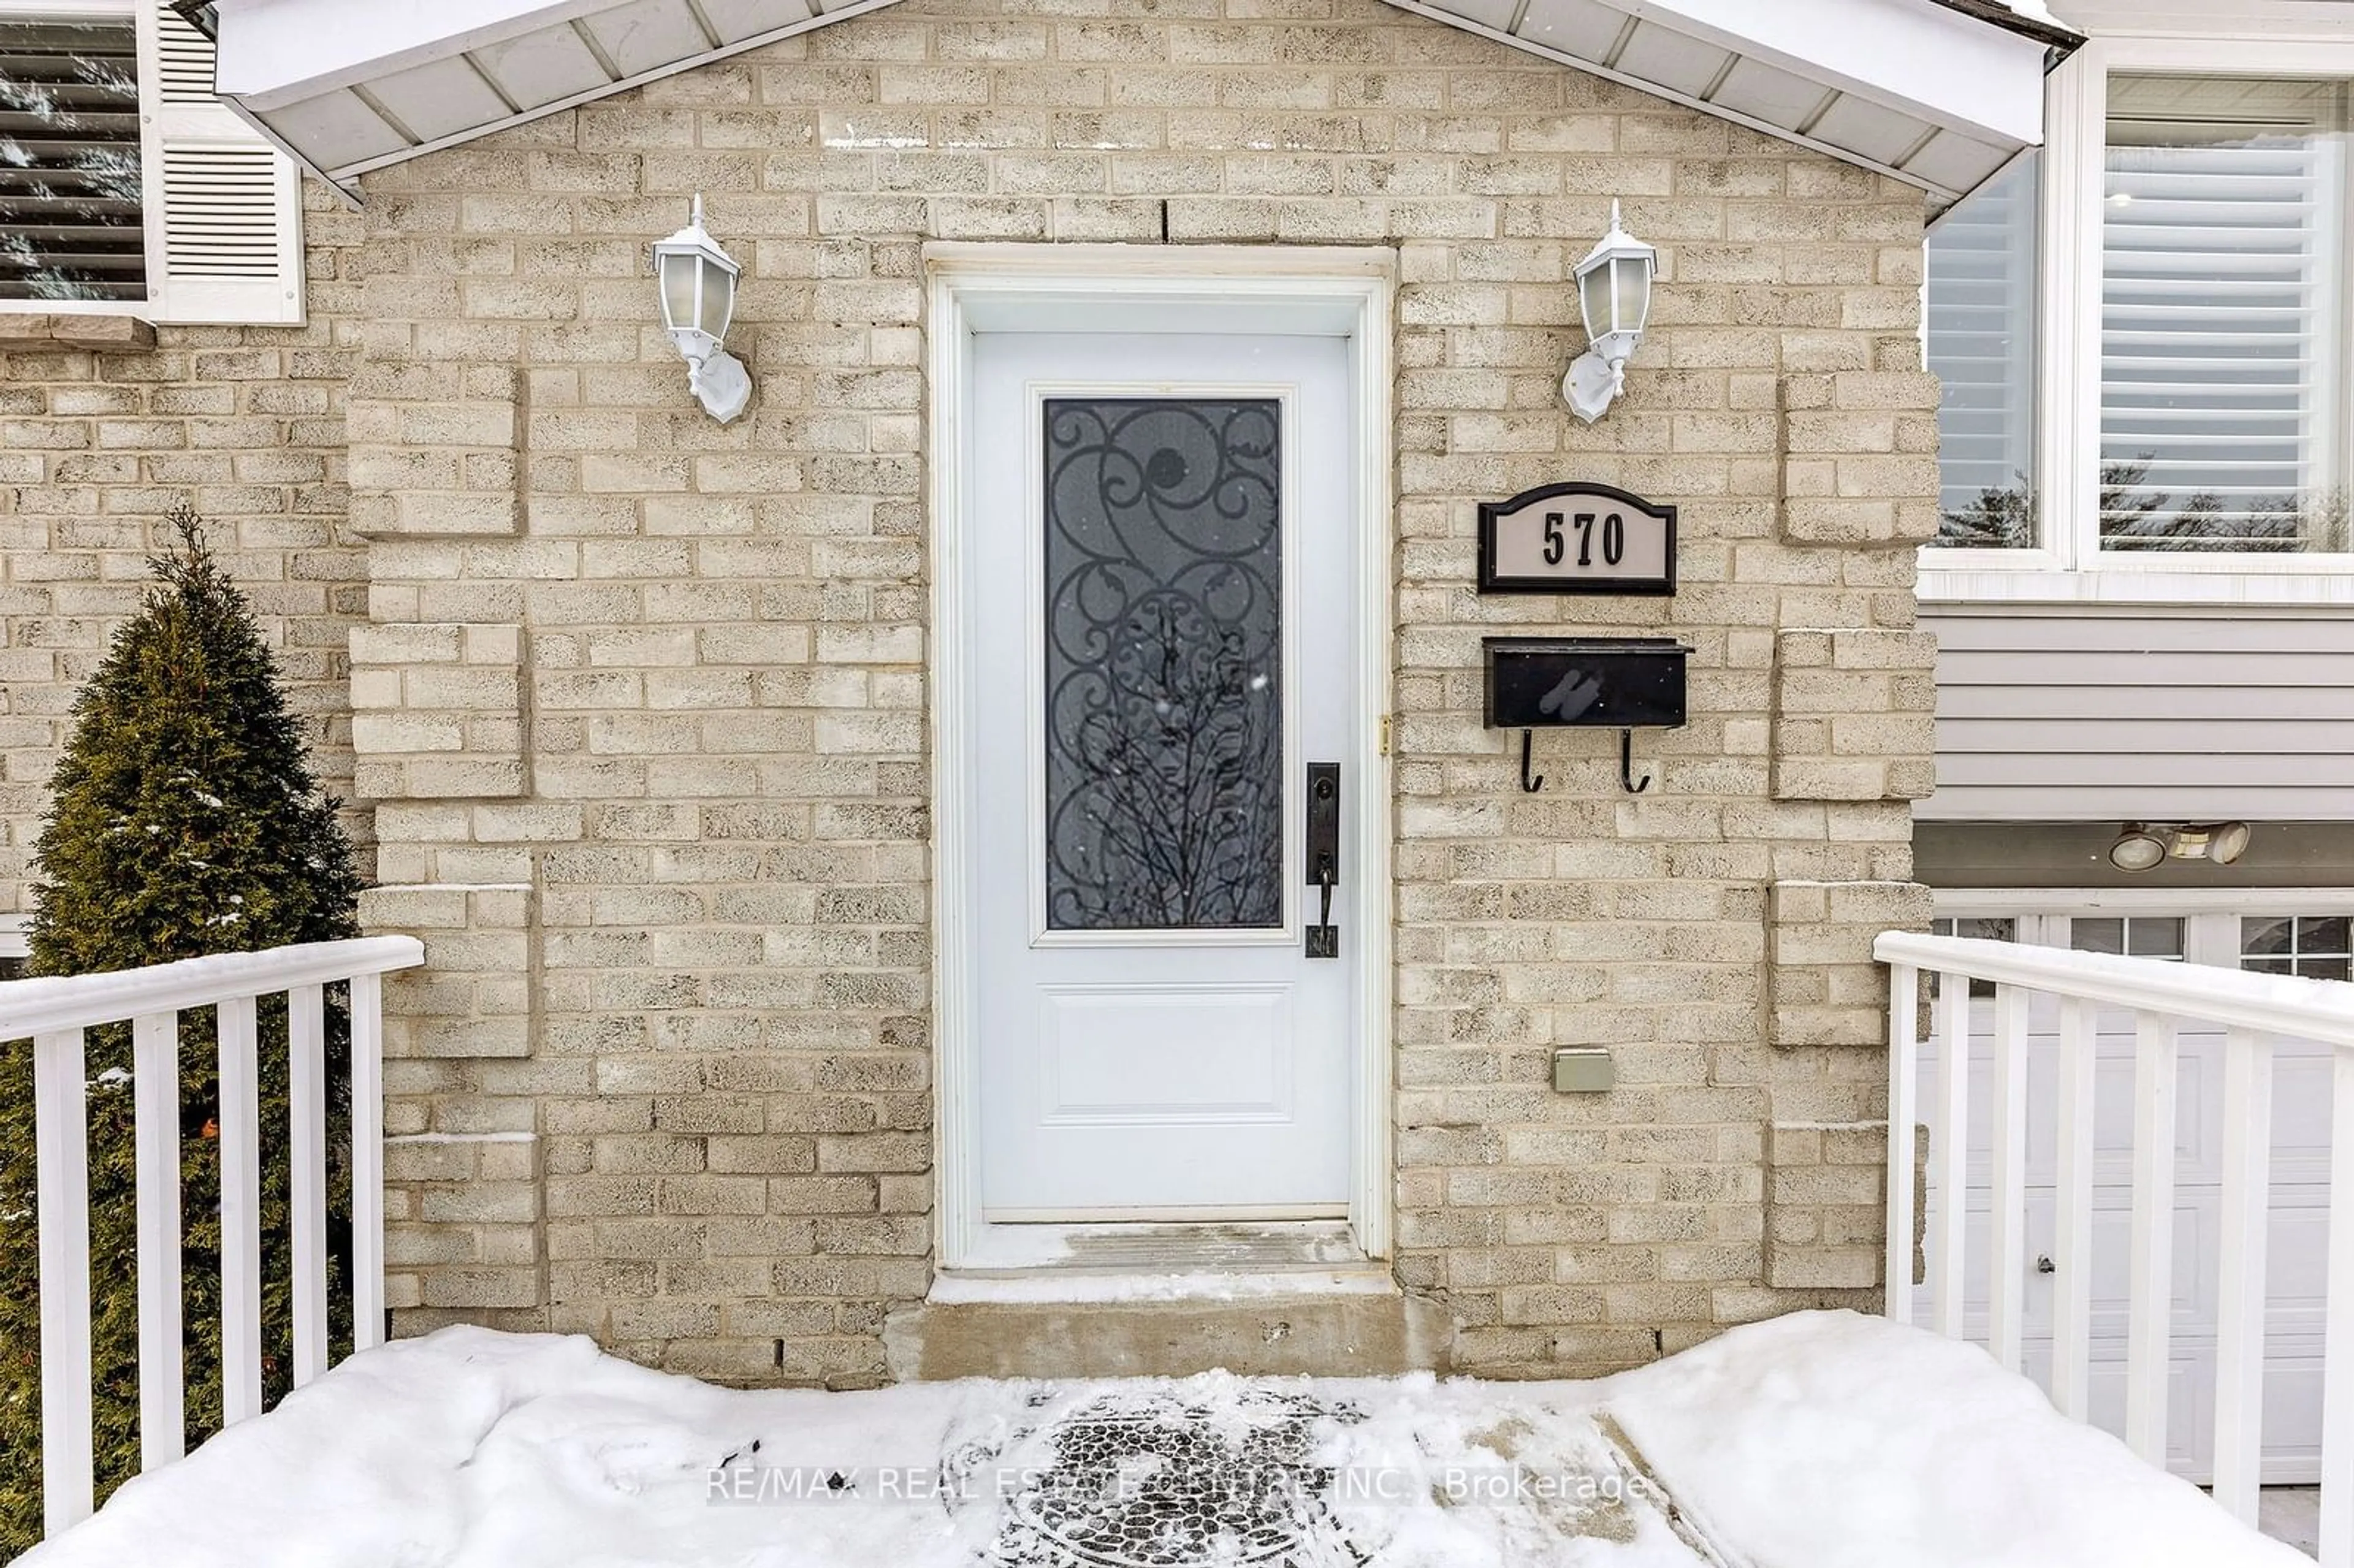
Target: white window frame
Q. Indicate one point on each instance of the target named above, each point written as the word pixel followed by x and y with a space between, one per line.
pixel 195 300
pixel 2068 564
pixel 2211 916
pixel 151 151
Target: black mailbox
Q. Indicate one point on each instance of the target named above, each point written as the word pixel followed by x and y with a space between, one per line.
pixel 1624 683
pixel 1606 682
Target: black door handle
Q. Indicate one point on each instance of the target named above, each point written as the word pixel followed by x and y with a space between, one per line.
pixel 1323 854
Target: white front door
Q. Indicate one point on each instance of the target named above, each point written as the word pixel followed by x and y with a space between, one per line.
pixel 1161 628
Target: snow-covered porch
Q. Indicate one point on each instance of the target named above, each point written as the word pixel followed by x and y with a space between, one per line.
pixel 1817 1439
pixel 1824 1440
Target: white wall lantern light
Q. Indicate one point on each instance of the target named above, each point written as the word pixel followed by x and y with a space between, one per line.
pixel 698 297
pixel 1614 294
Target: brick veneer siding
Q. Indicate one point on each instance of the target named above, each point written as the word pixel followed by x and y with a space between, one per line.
pixel 96 445
pixel 642 697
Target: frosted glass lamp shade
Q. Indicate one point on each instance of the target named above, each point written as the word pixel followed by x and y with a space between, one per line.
pixel 1630 293
pixel 1594 300
pixel 681 279
pixel 717 299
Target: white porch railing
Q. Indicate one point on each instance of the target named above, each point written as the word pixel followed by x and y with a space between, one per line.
pixel 2253 1011
pixel 54 1013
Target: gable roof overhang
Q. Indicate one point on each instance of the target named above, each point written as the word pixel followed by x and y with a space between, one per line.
pixel 346 88
pixel 1939 93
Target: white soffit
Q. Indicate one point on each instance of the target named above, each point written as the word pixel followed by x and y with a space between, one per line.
pixel 347 87
pixel 1939 93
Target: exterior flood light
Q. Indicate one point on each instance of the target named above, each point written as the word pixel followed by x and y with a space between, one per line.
pixel 2222 842
pixel 2136 849
pixel 1614 294
pixel 698 297
pixel 2141 847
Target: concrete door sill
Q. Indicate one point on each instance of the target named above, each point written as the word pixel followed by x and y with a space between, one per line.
pixel 1220 1261
pixel 1052 1285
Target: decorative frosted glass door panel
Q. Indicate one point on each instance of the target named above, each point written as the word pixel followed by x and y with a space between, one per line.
pixel 1163 663
pixel 1153 669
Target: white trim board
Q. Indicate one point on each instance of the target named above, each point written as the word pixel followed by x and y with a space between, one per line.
pixel 1339 291
pixel 1995 903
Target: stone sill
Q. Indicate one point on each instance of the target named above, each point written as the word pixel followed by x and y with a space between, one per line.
pixel 76 331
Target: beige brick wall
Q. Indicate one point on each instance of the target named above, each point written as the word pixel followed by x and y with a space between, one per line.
pixel 96 444
pixel 665 1078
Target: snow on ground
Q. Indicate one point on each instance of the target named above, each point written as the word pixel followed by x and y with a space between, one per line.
pixel 1816 1441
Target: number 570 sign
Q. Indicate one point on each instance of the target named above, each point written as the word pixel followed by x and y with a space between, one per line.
pixel 1577 539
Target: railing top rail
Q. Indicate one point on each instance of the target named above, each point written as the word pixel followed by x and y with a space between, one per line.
pixel 2273 1004
pixel 29 1007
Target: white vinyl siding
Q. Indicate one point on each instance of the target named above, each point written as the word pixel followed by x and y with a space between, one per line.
pixel 2069 717
pixel 1981 345
pixel 2222 334
pixel 206 219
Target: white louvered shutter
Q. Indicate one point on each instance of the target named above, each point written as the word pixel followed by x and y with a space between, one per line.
pixel 1981 337
pixel 228 247
pixel 2222 286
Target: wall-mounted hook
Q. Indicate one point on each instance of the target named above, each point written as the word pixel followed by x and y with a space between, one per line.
pixel 1532 783
pixel 1627 764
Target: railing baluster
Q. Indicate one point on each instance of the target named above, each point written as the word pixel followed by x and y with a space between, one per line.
pixel 61 1200
pixel 54 1013
pixel 240 1211
pixel 2338 1344
pixel 2149 1320
pixel 306 1086
pixel 2255 1010
pixel 2071 1312
pixel 367 1160
pixel 2240 1320
pixel 1949 1151
pixel 2008 1276
pixel 1904 1093
pixel 155 1109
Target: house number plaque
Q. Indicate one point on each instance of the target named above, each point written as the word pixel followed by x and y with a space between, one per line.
pixel 1577 539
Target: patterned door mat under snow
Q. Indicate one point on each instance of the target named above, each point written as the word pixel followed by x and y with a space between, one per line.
pixel 1823 1439
pixel 1255 1474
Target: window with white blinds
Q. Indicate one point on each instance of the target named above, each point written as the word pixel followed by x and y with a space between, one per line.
pixel 70 176
pixel 2223 383
pixel 126 185
pixel 1981 315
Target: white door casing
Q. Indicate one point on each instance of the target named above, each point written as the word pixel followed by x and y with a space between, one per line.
pixel 1116 1073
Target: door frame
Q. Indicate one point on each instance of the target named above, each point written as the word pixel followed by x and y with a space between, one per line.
pixel 1303 291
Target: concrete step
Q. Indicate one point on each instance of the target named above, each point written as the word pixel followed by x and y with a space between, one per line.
pixel 1331 1323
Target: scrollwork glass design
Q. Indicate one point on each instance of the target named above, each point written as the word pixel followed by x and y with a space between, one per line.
pixel 1163 663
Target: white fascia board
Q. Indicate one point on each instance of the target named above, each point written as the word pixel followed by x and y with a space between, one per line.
pixel 1969 75
pixel 268 46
